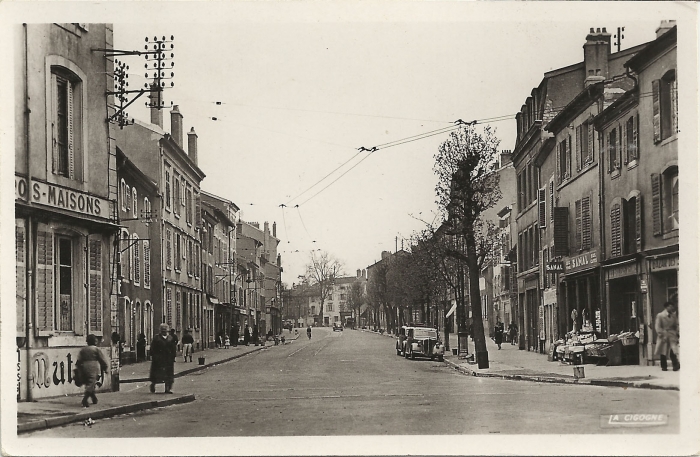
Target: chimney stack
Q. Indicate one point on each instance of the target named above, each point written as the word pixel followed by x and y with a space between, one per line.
pixel 359 273
pixel 279 260
pixel 176 125
pixel 596 52
pixel 266 228
pixel 664 27
pixel 192 145
pixel 156 112
pixel 274 229
pixel 364 274
pixel 386 254
pixel 506 157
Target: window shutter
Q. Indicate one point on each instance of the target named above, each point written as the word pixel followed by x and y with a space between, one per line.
pixel 559 171
pixel 146 264
pixel 178 311
pixel 44 281
pixel 656 203
pixel 608 150
pixel 542 201
pixel 656 109
pixel 197 210
pixel 561 231
pixel 506 277
pixel 137 260
pixel 135 209
pixel 635 139
pixel 674 106
pixel 568 156
pixel 615 231
pixel 21 274
pixel 54 121
pixel 586 223
pixel 168 249
pixel 591 144
pixel 624 151
pixel 638 222
pixel 551 199
pixel 95 285
pixel 578 229
pixel 542 257
pixel 578 147
pixel 71 134
pixel 169 306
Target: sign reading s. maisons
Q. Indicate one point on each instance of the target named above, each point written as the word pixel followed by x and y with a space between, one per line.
pixel 60 197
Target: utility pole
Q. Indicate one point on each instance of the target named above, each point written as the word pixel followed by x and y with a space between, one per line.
pixel 619 37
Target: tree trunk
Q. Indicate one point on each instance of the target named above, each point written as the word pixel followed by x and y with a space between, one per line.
pixel 320 315
pixel 482 355
pixel 446 329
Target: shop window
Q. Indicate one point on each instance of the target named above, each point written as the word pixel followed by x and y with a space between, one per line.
pixel 665 106
pixel 66 123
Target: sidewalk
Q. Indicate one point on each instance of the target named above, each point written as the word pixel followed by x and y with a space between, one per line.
pixel 512 363
pixel 58 411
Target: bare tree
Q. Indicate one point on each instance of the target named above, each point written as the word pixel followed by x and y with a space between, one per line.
pixel 467 186
pixel 321 272
pixel 356 298
pixel 377 289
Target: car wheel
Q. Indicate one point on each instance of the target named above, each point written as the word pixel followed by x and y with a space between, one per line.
pixel 413 356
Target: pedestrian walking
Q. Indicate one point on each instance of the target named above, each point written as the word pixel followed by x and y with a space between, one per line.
pixel 234 334
pixel 246 335
pixel 471 331
pixel 187 342
pixel 255 335
pixel 308 331
pixel 512 333
pixel 175 338
pixel 91 363
pixel 227 342
pixel 666 327
pixel 163 360
pixel 498 333
pixel 141 348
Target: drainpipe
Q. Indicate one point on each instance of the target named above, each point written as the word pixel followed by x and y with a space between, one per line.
pixel 29 249
pixel 601 232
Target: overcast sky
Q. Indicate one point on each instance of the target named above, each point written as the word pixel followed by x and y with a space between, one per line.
pixel 302 85
pixel 298 98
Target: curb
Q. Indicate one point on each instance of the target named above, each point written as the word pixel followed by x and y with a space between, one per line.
pixel 558 380
pixel 194 369
pixel 44 424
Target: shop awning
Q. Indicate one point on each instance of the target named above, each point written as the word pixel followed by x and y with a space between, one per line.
pixel 452 310
pixel 213 300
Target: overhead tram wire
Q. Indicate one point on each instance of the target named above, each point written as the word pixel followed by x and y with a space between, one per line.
pixel 302 220
pixel 284 220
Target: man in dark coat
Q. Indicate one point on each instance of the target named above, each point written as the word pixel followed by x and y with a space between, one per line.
pixel 163 360
pixel 246 335
pixel 255 334
pixel 234 334
pixel 498 333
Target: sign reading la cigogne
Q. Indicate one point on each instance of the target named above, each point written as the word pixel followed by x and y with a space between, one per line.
pixel 60 197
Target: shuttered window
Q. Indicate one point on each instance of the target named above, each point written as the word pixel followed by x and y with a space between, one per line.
pixel 135 200
pixel 542 202
pixel 577 229
pixel 588 132
pixel 137 260
pixel 561 231
pixel 146 264
pixel 665 106
pixel 178 311
pixel 20 273
pixel 586 231
pixel 168 249
pixel 612 150
pixel 615 230
pixel 45 281
pixel 656 109
pixel 95 301
pixel 551 200
pixel 638 222
pixel 169 306
pixel 579 143
pixel 167 189
pixel 63 126
pixel 656 204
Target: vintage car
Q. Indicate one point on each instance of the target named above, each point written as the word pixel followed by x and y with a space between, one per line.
pixel 337 327
pixel 401 340
pixel 423 342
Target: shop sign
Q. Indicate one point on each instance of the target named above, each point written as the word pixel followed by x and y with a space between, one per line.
pixel 620 271
pixel 555 267
pixel 643 286
pixel 581 262
pixel 550 297
pixel 51 372
pixel 598 321
pixel 663 263
pixel 60 197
